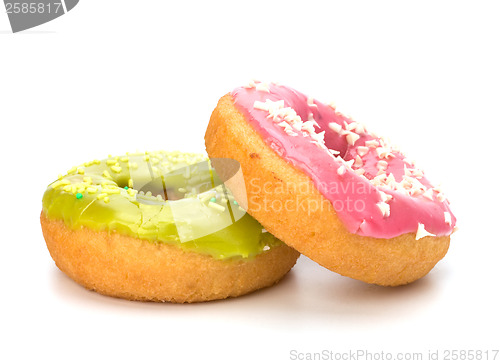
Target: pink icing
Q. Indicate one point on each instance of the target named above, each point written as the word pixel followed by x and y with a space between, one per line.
pixel 412 201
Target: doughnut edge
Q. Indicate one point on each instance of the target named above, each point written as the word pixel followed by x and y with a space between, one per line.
pixel 121 266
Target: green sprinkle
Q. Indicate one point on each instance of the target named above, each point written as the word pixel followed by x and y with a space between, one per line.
pixel 79 195
pixel 213 199
pixel 235 202
pixel 126 187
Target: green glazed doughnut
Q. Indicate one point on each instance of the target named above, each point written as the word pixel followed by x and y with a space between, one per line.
pixel 171 201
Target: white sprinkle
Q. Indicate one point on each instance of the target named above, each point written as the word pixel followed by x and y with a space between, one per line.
pixel 362 150
pixel 251 84
pixel 335 127
pixel 341 170
pixel 334 152
pixel 285 125
pixel 266 248
pixel 384 152
pixel 216 206
pixel 390 179
pixel 319 137
pixel 372 143
pixel 429 194
pixel 360 128
pixel 359 171
pixel 310 102
pixel 421 232
pixel 382 165
pixel 384 208
pixel 447 218
pixel 308 126
pixel 351 126
pixel 384 196
pixel 262 87
pixel 352 138
pixel 349 163
pixel 259 105
pixel 358 162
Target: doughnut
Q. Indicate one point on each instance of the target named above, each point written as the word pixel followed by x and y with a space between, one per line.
pixel 158 226
pixel 326 186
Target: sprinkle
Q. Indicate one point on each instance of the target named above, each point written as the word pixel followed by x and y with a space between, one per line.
pixel 91 189
pixel 349 163
pixel 63 182
pixel 87 179
pixel 359 171
pixel 341 170
pixel 111 162
pixel 125 188
pixel 79 195
pixel 362 150
pixel 72 170
pixel 335 127
pixel 101 196
pixel 213 199
pixel 447 218
pixel 384 152
pixel 384 196
pixel 106 174
pixel 360 128
pixel 251 84
pixel 352 138
pixel 382 165
pixel 111 190
pixel 131 183
pixel 106 199
pixel 116 169
pixel 372 143
pixel 59 177
pixel 216 206
pixel 358 162
pixel 235 203
pixel 384 208
pixel 262 87
pixel 421 232
pixel 334 152
pixel 429 194
pixel 182 190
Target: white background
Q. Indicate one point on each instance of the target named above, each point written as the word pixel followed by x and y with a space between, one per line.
pixel 115 76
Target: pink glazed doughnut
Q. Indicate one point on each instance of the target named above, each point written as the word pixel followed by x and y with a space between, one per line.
pixel 328 187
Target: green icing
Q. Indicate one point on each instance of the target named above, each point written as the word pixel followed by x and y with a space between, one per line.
pixel 166 197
